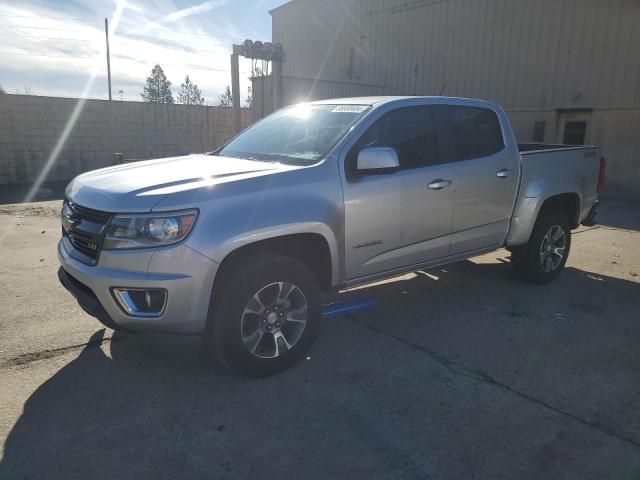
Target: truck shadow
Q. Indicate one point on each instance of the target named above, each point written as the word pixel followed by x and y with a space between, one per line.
pixel 363 405
pixel 619 212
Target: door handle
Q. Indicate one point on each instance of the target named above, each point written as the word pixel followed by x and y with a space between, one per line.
pixel 503 173
pixel 439 184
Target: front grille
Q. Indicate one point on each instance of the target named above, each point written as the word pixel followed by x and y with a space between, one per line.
pixel 84 243
pixel 85 228
pixel 92 215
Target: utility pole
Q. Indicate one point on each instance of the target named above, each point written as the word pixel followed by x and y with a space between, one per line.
pixel 106 32
pixel 235 89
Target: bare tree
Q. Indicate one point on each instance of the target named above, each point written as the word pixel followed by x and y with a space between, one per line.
pixel 225 99
pixel 248 102
pixel 2 90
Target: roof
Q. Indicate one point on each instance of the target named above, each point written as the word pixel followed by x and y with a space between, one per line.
pixel 380 100
pixel 359 100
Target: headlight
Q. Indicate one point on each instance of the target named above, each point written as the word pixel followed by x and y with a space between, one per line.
pixel 149 229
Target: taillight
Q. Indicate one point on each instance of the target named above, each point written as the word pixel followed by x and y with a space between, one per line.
pixel 601 173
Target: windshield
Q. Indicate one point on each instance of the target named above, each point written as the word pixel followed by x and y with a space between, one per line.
pixel 301 135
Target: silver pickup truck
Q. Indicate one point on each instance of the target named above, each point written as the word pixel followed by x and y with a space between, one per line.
pixel 240 244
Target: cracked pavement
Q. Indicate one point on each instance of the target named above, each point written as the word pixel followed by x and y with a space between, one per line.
pixel 460 372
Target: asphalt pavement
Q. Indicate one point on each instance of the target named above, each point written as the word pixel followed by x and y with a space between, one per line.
pixel 462 371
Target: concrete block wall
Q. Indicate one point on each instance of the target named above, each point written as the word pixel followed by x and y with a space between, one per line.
pixel 31 127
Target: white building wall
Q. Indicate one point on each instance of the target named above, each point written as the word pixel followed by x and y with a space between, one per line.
pixel 534 57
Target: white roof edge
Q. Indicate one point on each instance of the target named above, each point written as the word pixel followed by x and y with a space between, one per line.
pixel 378 100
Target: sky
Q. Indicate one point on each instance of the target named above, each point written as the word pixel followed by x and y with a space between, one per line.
pixel 57 47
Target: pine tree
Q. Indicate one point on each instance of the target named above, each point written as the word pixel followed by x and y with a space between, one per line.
pixel 190 93
pixel 225 100
pixel 158 88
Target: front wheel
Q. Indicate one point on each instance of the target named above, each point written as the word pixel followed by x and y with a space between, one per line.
pixel 265 314
pixel 544 256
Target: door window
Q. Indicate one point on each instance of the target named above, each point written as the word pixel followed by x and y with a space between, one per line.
pixel 476 131
pixel 410 131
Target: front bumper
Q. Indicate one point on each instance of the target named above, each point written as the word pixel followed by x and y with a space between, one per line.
pixel 87 300
pixel 188 292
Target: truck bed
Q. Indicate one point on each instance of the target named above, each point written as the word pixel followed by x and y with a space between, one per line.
pixel 555 169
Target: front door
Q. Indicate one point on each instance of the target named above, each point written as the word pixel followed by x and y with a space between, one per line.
pixel 403 218
pixel 574 127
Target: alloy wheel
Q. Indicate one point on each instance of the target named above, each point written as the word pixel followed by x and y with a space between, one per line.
pixel 274 319
pixel 552 248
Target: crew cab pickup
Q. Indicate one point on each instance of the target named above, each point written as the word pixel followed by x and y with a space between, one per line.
pixel 240 244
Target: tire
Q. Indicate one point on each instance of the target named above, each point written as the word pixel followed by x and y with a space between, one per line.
pixel 538 261
pixel 255 325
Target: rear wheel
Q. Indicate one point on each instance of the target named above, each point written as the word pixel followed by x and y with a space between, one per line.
pixel 544 256
pixel 265 315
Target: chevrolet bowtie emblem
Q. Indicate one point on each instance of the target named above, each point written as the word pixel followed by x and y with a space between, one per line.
pixel 68 218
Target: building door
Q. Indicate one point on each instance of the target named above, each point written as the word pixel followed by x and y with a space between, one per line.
pixel 574 127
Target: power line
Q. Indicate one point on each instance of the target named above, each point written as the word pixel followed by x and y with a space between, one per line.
pixel 120 33
pixel 32 27
pixel 60 38
pixel 134 34
pixel 44 55
pixel 47 18
pixel 184 65
pixel 223 48
pixel 201 67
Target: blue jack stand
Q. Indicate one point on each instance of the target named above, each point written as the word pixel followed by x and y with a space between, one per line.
pixel 348 306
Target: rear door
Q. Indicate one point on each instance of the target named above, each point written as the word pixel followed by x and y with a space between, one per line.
pixel 394 220
pixel 487 178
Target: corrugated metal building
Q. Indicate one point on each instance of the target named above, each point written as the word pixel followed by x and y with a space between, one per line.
pixel 565 70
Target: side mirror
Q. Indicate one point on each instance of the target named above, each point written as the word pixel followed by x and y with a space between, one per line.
pixel 377 160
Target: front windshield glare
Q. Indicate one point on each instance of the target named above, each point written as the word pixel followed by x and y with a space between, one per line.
pixel 302 134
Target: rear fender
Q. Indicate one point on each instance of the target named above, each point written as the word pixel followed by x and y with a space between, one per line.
pixel 532 199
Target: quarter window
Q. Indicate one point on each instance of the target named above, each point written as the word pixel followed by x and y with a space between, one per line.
pixel 476 131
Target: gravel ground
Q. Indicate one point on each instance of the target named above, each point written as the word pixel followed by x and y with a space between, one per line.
pixel 461 372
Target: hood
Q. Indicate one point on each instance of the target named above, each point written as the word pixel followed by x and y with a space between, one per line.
pixel 137 187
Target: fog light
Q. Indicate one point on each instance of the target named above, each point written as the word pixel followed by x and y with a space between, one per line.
pixel 141 302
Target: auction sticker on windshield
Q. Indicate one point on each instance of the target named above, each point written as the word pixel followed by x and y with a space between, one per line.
pixel 350 109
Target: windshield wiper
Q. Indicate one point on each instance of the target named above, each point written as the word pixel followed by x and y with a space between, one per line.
pixel 261 157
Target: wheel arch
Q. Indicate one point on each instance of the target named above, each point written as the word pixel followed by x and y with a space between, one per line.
pixel 311 246
pixel 567 203
pixel 533 203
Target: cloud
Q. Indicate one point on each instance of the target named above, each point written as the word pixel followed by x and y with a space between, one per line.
pixel 196 9
pixel 56 46
pixel 133 7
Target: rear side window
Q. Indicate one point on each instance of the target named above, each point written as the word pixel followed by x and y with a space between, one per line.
pixel 410 131
pixel 476 131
